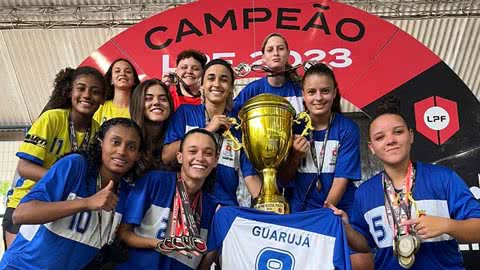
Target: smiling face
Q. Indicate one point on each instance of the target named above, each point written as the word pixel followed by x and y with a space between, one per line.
pixel 198 157
pixel 87 95
pixel 157 108
pixel 217 84
pixel 319 93
pixel 276 53
pixel 122 76
pixel 390 139
pixel 190 70
pixel 120 150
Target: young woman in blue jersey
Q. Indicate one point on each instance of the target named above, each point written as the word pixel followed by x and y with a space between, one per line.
pixel 64 125
pixel 190 67
pixel 74 203
pixel 323 165
pixel 213 115
pixel 410 200
pixel 151 107
pixel 279 81
pixel 123 79
pixel 152 209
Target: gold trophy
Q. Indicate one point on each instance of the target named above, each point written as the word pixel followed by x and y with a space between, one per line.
pixel 266 122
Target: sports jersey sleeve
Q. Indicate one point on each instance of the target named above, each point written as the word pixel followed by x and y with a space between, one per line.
pixel 341 254
pixel 176 129
pixel 461 202
pixel 138 201
pixel 219 228
pixel 357 220
pixel 57 183
pixel 245 94
pixel 246 166
pixel 348 159
pixel 35 145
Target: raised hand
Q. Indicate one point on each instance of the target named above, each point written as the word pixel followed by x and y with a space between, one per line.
pixel 300 147
pixel 217 122
pixel 105 199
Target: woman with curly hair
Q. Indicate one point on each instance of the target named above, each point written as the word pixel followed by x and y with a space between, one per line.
pixel 64 125
pixel 71 209
pixel 167 213
pixel 122 78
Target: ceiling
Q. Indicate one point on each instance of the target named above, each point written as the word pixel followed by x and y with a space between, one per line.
pixel 39 37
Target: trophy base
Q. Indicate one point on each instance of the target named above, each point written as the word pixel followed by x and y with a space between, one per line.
pixel 275 203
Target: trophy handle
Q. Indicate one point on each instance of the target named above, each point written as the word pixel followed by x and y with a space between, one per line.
pixel 228 134
pixel 308 122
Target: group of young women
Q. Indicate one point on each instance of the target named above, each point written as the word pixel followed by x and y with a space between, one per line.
pixel 155 181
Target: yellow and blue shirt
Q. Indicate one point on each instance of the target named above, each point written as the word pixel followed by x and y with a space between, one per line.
pixel 47 140
pixel 108 111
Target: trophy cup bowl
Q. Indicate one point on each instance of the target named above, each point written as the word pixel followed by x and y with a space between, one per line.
pixel 266 122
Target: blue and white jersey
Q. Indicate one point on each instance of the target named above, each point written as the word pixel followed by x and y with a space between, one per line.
pixel 230 163
pixel 440 192
pixel 289 90
pixel 148 209
pixel 251 239
pixel 342 159
pixel 70 242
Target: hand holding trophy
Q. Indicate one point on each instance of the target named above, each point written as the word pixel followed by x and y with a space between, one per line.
pixel 266 122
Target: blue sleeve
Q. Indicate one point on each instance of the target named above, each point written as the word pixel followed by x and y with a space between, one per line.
pixel 30 158
pixel 57 183
pixel 341 253
pixel 125 189
pixel 176 129
pixel 245 94
pixel 138 201
pixel 357 221
pixel 246 166
pixel 461 202
pixel 219 228
pixel 348 159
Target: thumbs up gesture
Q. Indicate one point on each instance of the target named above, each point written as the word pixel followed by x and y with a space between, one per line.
pixel 105 199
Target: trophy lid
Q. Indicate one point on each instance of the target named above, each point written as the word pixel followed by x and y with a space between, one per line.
pixel 266 100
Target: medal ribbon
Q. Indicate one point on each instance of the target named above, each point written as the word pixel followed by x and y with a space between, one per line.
pixel 398 206
pixel 185 217
pixel 313 152
pixel 73 137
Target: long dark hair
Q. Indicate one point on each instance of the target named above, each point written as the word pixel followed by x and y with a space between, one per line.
pixel 108 78
pixel 209 184
pixel 219 61
pixel 137 112
pixel 63 85
pixel 94 151
pixel 321 69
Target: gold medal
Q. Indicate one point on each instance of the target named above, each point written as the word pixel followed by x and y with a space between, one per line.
pixel 417 241
pixel 406 262
pixel 406 245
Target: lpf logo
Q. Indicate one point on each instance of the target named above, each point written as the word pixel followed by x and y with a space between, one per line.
pixel 436 118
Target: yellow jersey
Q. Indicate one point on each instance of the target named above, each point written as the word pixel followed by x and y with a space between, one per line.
pixel 47 140
pixel 108 111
